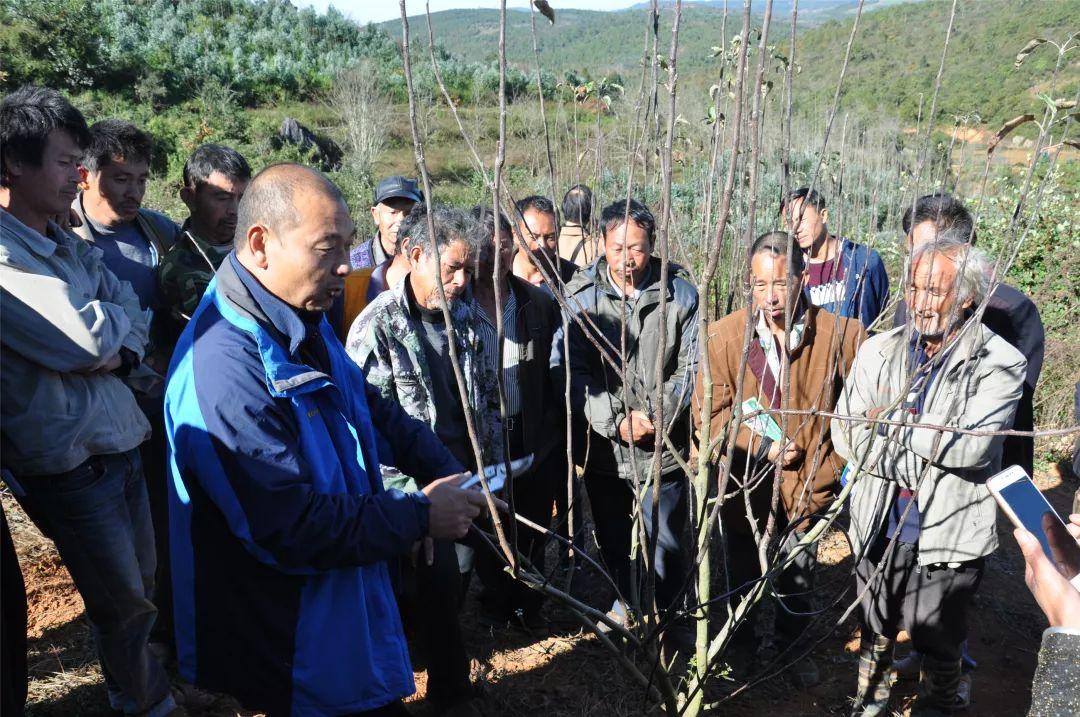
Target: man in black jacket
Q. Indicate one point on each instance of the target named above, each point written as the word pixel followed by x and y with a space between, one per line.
pixel 533 408
pixel 618 427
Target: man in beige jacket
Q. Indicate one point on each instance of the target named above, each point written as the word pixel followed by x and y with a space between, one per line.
pixel 922 519
pixel 73 334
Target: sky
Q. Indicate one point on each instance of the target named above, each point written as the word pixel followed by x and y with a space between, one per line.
pixel 364 11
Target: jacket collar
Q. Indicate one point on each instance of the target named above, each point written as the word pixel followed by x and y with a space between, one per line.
pixel 521 290
pixel 275 311
pixel 274 325
pixel 42 245
pixel 597 275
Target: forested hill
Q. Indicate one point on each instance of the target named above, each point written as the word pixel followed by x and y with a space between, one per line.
pixel 162 52
pixel 607 42
pixel 897 52
pixel 894 59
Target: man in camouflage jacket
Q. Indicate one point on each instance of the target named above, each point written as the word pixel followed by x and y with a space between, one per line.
pixel 186 271
pixel 402 343
pixel 386 342
pixel 215 178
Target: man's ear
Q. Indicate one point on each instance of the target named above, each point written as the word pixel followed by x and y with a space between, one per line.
pixel 375 216
pixel 824 216
pixel 187 196
pixel 415 252
pixel 11 167
pixel 84 178
pixel 258 236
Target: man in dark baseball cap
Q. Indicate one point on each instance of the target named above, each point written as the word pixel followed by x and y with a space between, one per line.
pixel 394 197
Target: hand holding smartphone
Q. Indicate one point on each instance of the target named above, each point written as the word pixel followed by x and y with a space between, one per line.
pixel 1027 508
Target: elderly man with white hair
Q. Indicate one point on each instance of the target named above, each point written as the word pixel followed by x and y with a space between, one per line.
pixel 922 519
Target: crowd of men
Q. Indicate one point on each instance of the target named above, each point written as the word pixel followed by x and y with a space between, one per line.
pixel 248 439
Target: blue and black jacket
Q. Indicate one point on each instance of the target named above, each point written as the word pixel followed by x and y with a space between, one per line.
pixel 866 284
pixel 280 528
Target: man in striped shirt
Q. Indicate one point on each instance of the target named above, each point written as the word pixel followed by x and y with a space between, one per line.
pixel 533 413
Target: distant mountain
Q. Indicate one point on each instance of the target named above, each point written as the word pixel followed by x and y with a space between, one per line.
pixel 897 51
pixel 606 42
pixel 894 59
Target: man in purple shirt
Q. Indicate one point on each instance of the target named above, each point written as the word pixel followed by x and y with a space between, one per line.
pixel 394 198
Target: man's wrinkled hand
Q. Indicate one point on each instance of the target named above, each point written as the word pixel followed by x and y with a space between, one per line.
pixel 790 457
pixel 636 428
pixel 453 508
pixel 428 546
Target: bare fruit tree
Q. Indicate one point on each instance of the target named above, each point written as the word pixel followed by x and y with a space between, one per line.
pixel 360 102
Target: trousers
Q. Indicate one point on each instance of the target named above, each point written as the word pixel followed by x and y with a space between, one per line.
pixel 931 601
pixel 98 516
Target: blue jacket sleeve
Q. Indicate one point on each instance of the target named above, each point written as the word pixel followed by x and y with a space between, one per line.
pixel 873 294
pixel 255 473
pixel 415 449
pixel 876 293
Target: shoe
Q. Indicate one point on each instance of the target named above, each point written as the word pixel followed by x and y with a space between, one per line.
pixel 192 697
pixel 617 614
pixel 875 677
pixel 909 666
pixel 944 689
pixel 963 689
pixel 678 645
pixel 804 673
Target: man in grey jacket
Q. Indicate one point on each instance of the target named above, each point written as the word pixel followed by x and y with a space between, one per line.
pixel 616 432
pixel 922 519
pixel 73 334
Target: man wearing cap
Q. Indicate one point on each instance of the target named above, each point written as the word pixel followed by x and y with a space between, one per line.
pixel 394 197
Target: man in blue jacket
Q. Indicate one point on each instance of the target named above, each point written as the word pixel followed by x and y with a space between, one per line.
pixel 280 526
pixel 843 277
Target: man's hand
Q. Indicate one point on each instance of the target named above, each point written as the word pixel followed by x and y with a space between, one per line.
pixel 873 413
pixel 636 428
pixel 429 551
pixel 452 507
pixel 1073 526
pixel 1059 600
pixel 1064 549
pixel 791 456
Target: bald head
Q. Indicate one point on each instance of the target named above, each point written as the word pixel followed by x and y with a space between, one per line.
pixel 293 233
pixel 272 196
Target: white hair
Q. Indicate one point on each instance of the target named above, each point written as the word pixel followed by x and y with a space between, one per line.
pixel 974 268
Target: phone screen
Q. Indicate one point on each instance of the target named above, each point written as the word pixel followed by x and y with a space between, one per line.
pixel 1030 506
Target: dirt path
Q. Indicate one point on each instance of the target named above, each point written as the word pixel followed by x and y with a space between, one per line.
pixel 568 673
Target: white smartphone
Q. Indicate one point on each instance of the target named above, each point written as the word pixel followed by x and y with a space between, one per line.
pixel 1027 507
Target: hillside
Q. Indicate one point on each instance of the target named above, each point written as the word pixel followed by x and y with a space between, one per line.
pixel 895 56
pixel 606 42
pixel 897 51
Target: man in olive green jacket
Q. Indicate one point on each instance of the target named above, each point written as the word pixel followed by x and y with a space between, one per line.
pixel 616 431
